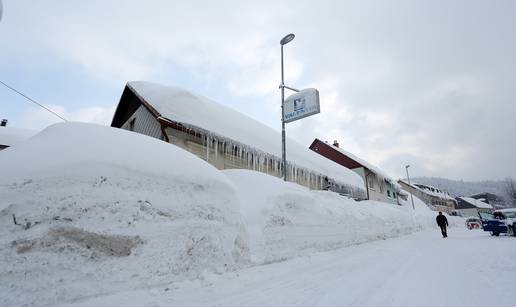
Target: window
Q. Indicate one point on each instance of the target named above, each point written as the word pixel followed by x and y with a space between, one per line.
pixel 131 124
pixel 394 195
pixel 388 193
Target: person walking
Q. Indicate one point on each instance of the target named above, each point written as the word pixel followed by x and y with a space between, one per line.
pixel 442 221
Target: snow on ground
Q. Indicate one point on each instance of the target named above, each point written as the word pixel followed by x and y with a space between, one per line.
pixel 469 268
pixel 101 210
pixel 10 136
pixel 107 210
pixel 285 220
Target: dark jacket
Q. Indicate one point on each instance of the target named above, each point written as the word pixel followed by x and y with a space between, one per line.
pixel 441 220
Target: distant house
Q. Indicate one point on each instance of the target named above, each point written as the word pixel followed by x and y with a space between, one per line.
pixel 379 186
pixel 490 198
pixel 224 137
pixel 467 206
pixel 10 136
pixel 433 197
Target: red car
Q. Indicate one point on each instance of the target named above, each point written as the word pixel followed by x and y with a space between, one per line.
pixel 473 223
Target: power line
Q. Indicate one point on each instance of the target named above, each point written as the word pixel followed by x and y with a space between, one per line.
pixel 31 100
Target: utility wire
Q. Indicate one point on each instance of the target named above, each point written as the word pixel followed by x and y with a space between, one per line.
pixel 32 100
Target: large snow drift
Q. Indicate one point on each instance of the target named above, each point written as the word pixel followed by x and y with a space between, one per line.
pixel 285 220
pixel 10 136
pixel 102 209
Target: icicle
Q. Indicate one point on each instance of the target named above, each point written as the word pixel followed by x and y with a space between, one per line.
pixel 208 148
pixel 216 149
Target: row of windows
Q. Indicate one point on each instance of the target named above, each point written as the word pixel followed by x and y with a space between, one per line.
pixel 241 157
pixel 439 203
pixel 393 194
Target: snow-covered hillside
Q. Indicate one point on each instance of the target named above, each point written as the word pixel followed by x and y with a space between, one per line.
pixel 101 210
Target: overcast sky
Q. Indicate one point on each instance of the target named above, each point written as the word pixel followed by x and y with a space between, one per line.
pixel 426 83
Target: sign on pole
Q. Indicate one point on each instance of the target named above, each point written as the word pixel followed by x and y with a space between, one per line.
pixel 301 104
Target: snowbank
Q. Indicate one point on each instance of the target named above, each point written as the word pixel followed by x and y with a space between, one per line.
pixel 10 136
pixel 424 216
pixel 102 209
pixel 285 220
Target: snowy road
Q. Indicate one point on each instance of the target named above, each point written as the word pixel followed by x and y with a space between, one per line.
pixel 470 268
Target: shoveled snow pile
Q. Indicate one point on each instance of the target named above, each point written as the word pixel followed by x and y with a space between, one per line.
pixel 285 220
pixel 100 210
pixel 10 136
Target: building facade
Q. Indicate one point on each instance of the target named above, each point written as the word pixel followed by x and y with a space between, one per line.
pixel 468 206
pixel 434 198
pixel 492 199
pixel 378 186
pixel 223 137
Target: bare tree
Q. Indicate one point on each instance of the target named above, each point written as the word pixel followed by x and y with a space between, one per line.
pixel 510 191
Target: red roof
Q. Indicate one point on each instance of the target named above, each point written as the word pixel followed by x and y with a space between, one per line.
pixel 327 150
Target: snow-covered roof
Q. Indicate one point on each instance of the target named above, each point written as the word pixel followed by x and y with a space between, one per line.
pixel 10 136
pixel 224 123
pixel 507 210
pixel 367 165
pixel 477 203
pixel 430 190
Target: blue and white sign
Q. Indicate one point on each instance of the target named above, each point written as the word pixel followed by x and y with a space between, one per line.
pixel 301 104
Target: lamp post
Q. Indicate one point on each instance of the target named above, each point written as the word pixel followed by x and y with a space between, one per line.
pixel 408 178
pixel 285 40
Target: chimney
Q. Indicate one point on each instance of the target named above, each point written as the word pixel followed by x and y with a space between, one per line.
pixel 336 144
pixel 3 123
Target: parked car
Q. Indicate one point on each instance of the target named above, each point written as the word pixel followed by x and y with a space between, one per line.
pixel 500 221
pixel 473 222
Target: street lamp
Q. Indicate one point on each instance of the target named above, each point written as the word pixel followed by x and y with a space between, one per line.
pixel 285 40
pixel 303 103
pixel 408 178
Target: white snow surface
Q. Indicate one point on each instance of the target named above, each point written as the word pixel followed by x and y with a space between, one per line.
pixel 182 106
pixel 477 203
pixel 66 145
pixel 285 220
pixel 93 194
pixel 10 136
pixel 114 211
pixel 418 270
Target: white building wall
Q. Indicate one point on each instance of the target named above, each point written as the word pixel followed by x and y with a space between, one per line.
pixel 222 157
pixel 142 121
pixel 377 187
pixel 232 158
